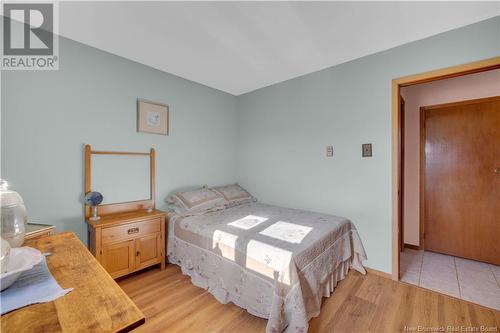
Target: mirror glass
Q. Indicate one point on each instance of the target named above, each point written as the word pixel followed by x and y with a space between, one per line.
pixel 121 178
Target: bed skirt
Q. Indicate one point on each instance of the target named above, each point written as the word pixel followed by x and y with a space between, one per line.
pixel 229 282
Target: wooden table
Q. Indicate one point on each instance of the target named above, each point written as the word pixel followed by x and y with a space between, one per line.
pixel 97 303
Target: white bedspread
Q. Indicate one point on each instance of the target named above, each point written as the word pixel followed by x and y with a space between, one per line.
pixel 275 262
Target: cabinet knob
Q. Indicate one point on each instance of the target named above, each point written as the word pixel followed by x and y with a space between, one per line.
pixel 138 253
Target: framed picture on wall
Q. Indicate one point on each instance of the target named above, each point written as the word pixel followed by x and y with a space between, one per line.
pixel 152 117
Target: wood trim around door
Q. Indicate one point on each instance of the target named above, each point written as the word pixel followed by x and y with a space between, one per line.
pixel 402 177
pixel 421 180
pixel 470 68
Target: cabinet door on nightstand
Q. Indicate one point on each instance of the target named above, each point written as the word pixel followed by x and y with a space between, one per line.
pixel 119 258
pixel 148 250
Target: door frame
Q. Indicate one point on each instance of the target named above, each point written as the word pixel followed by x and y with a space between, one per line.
pixel 421 182
pixel 397 84
pixel 402 126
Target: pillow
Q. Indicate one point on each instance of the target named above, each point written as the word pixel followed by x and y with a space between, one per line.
pixel 234 195
pixel 201 200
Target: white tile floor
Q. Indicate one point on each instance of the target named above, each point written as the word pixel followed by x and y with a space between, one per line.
pixel 470 280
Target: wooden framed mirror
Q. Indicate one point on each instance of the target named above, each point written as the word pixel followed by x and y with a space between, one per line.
pixel 126 180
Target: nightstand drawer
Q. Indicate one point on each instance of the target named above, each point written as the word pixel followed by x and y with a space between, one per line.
pixel 130 230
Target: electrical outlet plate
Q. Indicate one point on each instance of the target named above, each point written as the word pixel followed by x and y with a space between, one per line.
pixel 329 151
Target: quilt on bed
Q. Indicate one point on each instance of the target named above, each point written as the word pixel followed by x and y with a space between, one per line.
pixel 275 262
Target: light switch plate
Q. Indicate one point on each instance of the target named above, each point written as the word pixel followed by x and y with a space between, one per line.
pixel 329 151
pixel 367 150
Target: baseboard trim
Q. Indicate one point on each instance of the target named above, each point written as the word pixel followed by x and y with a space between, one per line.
pixel 411 246
pixel 378 273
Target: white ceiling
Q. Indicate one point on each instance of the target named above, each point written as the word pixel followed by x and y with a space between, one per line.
pixel 238 47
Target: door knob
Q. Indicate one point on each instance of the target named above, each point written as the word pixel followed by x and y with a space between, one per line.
pixel 497 171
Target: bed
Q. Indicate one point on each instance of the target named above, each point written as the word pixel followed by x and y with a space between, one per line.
pixel 277 263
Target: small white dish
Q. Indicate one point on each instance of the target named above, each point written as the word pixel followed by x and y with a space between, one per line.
pixel 21 259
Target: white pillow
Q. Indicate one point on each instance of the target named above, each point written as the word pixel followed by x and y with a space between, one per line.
pixel 234 195
pixel 201 200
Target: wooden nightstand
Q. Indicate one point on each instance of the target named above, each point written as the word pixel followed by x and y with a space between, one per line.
pixel 130 235
pixel 127 242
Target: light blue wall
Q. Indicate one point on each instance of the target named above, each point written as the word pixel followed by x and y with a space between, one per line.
pixel 47 117
pixel 284 130
pixel 277 135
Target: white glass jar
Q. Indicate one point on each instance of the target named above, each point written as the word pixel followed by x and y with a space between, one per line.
pixel 13 216
pixel 4 255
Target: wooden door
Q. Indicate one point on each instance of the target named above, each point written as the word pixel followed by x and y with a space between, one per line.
pixel 148 250
pixel 462 179
pixel 119 258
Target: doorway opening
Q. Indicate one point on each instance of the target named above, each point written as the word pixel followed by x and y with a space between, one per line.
pixel 416 101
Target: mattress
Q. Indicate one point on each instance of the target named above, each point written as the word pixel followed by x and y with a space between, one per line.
pixel 275 262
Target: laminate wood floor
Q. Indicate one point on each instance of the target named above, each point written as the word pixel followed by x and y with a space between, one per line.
pixel 359 304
